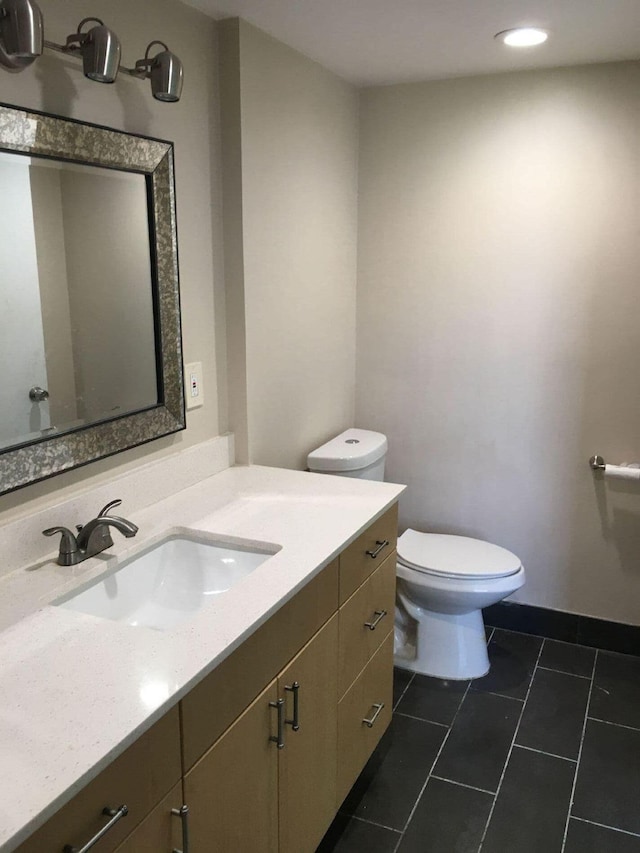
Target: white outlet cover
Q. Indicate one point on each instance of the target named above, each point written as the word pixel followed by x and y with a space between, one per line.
pixel 194 389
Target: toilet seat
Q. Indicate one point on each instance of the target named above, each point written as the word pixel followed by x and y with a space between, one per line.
pixel 445 555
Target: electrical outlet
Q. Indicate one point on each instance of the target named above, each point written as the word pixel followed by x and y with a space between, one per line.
pixel 194 390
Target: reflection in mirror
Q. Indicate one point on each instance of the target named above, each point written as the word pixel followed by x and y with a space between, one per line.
pixel 90 341
pixel 78 339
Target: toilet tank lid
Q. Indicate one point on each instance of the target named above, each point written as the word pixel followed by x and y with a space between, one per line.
pixel 352 450
pixel 455 556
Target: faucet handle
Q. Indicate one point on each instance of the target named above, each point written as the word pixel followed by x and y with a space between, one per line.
pixel 110 505
pixel 68 543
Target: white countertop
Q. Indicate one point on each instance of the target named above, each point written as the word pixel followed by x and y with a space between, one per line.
pixel 77 690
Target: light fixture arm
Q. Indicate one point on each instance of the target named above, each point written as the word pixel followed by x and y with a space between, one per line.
pixel 143 66
pixel 75 40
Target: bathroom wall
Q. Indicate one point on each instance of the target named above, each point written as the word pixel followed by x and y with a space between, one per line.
pixel 498 306
pixel 290 246
pixel 56 85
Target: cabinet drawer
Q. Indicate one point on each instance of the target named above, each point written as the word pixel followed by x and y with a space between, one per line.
pixel 357 740
pixel 356 564
pixel 159 832
pixel 139 779
pixel 358 642
pixel 220 698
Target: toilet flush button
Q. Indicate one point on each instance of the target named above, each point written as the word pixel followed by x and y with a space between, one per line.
pixel 352 441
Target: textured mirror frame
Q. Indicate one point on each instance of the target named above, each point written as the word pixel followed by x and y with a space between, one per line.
pixel 36 133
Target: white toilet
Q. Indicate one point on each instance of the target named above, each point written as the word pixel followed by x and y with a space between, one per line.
pixel 444 581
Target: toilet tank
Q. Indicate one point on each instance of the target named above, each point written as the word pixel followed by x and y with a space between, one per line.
pixel 354 453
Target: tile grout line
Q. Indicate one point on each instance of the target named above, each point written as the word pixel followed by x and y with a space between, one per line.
pixel 372 823
pixel 420 719
pixel 575 775
pixel 433 764
pixel 515 735
pixel 499 695
pixel 543 752
pixel 606 826
pixel 617 725
pixel 562 672
pixel 401 696
pixel 462 785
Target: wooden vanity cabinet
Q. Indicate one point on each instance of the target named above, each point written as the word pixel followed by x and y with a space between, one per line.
pixel 247 795
pixel 252 785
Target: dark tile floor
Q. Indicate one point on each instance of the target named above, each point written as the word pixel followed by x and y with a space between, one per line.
pixel 542 755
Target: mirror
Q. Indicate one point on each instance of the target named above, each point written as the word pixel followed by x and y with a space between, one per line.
pixel 89 321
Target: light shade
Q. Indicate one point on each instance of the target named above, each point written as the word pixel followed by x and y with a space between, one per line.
pixel 165 72
pixel 523 36
pixel 100 49
pixel 21 33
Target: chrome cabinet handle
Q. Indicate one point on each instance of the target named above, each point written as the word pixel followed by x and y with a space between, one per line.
pixel 381 543
pixel 279 737
pixel 379 614
pixel 183 814
pixel 115 815
pixel 369 721
pixel 295 722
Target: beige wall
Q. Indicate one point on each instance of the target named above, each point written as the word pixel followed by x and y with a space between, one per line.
pixel 55 84
pixel 498 297
pixel 106 234
pixel 291 247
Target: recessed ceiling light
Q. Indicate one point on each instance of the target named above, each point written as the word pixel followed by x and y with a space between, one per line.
pixel 523 36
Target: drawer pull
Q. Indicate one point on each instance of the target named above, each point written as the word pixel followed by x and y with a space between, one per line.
pixel 379 614
pixel 183 814
pixel 115 815
pixel 279 737
pixel 295 722
pixel 381 543
pixel 369 721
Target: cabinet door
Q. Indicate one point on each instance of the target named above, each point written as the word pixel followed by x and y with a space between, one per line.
pixel 232 792
pixel 160 832
pixel 307 764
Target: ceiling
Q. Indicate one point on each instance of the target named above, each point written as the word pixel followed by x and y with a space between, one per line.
pixel 373 42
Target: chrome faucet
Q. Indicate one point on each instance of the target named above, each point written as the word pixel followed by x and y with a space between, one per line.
pixel 93 537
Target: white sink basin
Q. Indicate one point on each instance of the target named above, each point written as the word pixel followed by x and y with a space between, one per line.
pixel 166 584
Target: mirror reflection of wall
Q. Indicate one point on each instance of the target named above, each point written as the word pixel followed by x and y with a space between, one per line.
pixel 22 357
pixel 76 296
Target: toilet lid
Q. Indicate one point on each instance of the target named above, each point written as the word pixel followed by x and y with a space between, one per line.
pixel 455 556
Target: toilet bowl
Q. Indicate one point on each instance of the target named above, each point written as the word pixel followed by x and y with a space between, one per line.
pixel 444 581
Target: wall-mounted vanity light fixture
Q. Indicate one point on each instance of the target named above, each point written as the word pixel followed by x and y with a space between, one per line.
pixel 164 70
pixel 21 33
pixel 99 48
pixel 22 41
